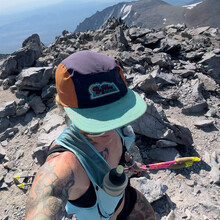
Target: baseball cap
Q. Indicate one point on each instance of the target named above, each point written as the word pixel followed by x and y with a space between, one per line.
pixel 93 91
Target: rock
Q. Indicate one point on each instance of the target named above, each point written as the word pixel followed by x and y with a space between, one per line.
pixel 208 83
pixel 48 92
pixel 4 143
pixel 190 183
pixel 151 39
pixel 52 120
pixel 195 108
pixel 199 30
pixel 40 155
pixel 45 139
pixel 204 123
pixel 8 110
pixel 152 190
pixel 112 23
pixel 2 152
pixel 24 57
pixel 135 152
pixel 8 179
pixel 37 105
pixel 146 83
pixel 169 46
pixel 3 185
pixel 119 40
pixel 10 165
pixel 4 124
pixel 22 109
pixel 212 61
pixel 194 56
pixel 8 82
pixel 137 32
pixel 34 43
pixel 186 34
pixel 34 78
pixel 163 79
pixel 139 68
pixel 152 125
pixel 162 59
pixel 34 125
pixel 211 112
pixel 183 72
pixel 9 66
pixel 164 154
pixel 215 171
pixel 165 143
pixel 8 133
pixel 171 215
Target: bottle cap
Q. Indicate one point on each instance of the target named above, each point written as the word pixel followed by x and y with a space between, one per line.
pixel 120 169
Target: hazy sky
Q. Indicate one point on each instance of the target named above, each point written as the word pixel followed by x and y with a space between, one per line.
pixel 11 6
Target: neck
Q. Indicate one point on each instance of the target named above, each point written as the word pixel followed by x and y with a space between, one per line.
pixel 102 140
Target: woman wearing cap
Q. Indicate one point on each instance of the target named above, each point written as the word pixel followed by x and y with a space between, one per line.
pixel 91 88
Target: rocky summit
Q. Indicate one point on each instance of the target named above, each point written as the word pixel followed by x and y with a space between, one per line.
pixel 174 68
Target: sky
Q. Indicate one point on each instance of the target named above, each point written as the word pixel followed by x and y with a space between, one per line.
pixel 11 6
pixel 20 19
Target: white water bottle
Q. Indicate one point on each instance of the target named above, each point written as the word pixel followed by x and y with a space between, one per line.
pixel 115 181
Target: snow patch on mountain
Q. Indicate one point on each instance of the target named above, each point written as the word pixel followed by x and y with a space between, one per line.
pixel 192 5
pixel 126 9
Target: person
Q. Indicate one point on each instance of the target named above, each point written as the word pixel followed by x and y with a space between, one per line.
pixel 92 89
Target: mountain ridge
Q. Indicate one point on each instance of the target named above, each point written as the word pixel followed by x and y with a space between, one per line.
pixel 156 14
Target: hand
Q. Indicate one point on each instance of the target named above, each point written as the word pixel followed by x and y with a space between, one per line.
pixel 132 165
pixel 136 168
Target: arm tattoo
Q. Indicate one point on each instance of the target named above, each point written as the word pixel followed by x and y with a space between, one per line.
pixel 49 194
pixel 105 153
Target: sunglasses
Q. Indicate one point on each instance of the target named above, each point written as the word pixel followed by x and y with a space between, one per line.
pixel 96 134
pixel 92 134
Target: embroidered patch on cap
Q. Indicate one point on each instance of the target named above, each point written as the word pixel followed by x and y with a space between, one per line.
pixel 98 90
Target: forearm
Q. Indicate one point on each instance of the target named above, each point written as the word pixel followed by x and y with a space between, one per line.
pixel 48 209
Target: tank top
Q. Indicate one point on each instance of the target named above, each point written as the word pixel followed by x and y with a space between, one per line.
pixel 96 168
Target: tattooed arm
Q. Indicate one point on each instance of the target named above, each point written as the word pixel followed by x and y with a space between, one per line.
pixel 49 192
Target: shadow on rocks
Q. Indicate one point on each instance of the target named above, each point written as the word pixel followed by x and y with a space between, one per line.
pixel 163 206
pixel 209 128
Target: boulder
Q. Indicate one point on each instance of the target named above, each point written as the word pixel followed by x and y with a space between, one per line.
pixel 153 125
pixel 24 57
pixel 137 32
pixel 119 40
pixel 34 78
pixel 37 105
pixel 151 189
pixel 163 60
pixel 212 61
pixel 9 109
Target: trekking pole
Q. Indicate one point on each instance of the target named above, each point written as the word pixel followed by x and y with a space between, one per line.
pixel 174 164
pixel 23 185
pixel 18 177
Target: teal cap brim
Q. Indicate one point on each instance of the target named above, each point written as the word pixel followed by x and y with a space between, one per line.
pixel 108 117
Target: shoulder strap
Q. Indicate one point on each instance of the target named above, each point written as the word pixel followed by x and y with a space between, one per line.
pixel 94 164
